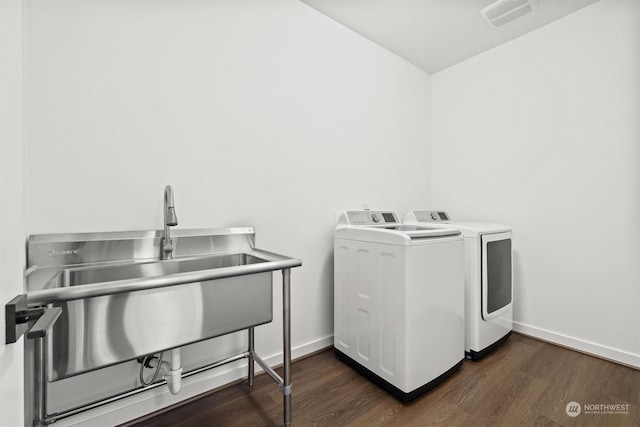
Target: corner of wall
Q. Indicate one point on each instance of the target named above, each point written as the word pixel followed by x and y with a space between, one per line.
pixel 429 201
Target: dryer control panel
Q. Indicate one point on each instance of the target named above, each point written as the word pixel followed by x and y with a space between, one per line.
pixel 369 218
pixel 429 216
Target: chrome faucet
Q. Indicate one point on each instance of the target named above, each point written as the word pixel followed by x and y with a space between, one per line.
pixel 170 220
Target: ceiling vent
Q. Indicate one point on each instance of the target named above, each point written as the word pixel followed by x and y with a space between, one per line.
pixel 503 11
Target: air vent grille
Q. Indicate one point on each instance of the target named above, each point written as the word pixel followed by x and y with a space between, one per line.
pixel 503 11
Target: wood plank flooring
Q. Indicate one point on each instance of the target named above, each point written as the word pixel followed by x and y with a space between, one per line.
pixel 525 382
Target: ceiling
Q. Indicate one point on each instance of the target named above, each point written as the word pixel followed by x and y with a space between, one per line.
pixel 436 34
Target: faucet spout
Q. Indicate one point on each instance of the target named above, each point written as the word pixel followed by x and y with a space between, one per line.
pixel 170 220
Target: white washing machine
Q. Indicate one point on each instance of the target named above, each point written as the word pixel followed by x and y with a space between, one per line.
pixel 398 301
pixel 488 279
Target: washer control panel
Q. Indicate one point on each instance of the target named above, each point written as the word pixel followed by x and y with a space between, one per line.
pixel 431 216
pixel 369 218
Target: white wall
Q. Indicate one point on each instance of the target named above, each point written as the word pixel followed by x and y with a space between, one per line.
pixel 12 207
pixel 261 113
pixel 542 133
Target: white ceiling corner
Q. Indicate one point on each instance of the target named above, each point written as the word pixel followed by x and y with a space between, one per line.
pixel 436 34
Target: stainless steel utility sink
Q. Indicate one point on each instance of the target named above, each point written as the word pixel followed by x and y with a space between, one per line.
pixel 120 301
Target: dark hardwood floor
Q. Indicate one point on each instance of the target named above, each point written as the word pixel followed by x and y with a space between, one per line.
pixel 525 382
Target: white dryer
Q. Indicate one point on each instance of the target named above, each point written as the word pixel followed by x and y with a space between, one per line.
pixel 488 279
pixel 398 301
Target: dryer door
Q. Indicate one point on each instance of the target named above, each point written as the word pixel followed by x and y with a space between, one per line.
pixel 497 278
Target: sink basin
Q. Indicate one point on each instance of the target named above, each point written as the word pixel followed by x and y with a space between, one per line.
pixel 118 326
pixel 90 275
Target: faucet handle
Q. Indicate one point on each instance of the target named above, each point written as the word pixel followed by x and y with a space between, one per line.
pixel 167 246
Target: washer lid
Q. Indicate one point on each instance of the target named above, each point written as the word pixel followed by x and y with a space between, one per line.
pixel 397 234
pixel 384 227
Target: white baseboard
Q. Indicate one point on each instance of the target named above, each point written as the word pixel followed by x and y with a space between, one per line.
pixel 153 400
pixel 598 350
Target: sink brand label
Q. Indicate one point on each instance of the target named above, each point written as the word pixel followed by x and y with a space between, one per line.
pixel 60 252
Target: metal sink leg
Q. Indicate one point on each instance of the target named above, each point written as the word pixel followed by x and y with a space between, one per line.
pixel 286 343
pixel 39 382
pixel 251 351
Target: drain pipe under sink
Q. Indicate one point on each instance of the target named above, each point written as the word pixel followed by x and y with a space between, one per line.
pixel 173 372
